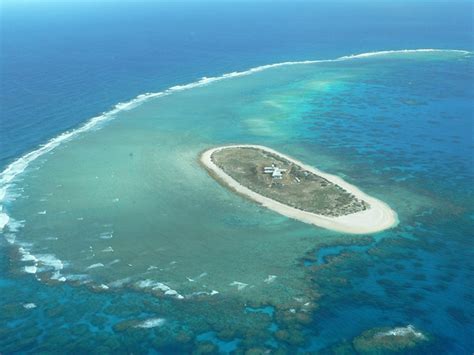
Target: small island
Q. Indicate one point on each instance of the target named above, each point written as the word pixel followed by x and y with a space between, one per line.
pixel 296 190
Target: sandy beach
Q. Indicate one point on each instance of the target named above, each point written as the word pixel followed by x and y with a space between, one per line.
pixel 375 219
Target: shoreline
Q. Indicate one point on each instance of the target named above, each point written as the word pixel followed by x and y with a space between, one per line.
pixel 375 219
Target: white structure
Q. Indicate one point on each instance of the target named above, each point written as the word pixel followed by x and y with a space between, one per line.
pixel 274 170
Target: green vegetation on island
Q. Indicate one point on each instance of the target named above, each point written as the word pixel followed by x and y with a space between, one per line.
pixel 279 179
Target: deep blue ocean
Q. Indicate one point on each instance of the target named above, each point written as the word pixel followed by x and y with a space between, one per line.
pixel 63 63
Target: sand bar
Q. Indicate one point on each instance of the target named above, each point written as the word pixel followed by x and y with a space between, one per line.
pixel 379 216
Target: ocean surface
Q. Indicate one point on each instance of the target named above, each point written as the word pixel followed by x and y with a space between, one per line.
pixel 117 238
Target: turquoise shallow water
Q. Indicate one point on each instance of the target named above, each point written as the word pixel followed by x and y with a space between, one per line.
pixel 125 212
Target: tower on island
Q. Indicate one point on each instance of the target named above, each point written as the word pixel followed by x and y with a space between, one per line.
pixel 275 171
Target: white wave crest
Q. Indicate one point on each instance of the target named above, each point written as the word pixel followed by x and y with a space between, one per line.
pixel 199 293
pixel 119 283
pixel 4 218
pixel 106 235
pixel 158 286
pixel 151 323
pixel 102 287
pixel 270 279
pixel 240 285
pixel 58 277
pixel 10 238
pixel 26 256
pixel 49 261
pixel 94 266
pixel 40 262
pixel 401 51
pixel 14 225
pixel 402 331
pixel 30 269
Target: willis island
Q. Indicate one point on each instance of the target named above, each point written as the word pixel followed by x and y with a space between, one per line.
pixel 296 190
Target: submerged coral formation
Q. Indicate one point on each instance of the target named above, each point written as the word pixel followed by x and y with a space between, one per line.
pixel 383 340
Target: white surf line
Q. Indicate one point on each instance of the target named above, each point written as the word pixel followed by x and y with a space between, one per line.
pixel 18 166
pixel 378 217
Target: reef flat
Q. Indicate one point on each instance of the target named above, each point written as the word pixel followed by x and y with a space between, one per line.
pixel 298 191
pixel 137 247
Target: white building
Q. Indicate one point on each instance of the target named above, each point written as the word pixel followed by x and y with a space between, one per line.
pixel 274 170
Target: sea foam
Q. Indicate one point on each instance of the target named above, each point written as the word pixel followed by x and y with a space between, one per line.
pixel 30 269
pixel 95 266
pixel 401 332
pixel 151 323
pixel 240 285
pixel 159 286
pixel 4 218
pixel 270 279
